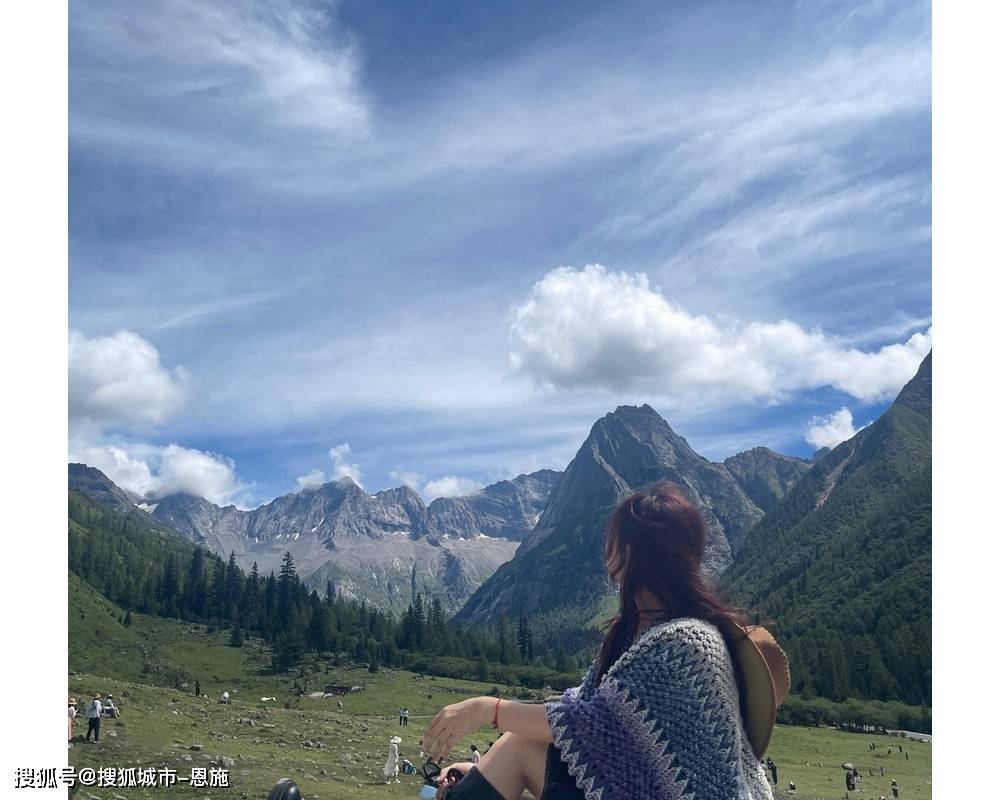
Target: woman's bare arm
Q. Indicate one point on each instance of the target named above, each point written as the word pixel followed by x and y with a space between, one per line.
pixel 525 719
pixel 458 720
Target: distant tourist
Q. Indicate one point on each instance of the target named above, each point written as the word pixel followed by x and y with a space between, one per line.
pixel 110 708
pixel 849 777
pixel 475 755
pixel 197 689
pixel 791 786
pixel 774 770
pixel 406 716
pixel 883 771
pixel 224 700
pixel 400 715
pixel 340 705
pixel 72 716
pixel 907 756
pixel 668 614
pixel 895 788
pixel 391 768
pixel 94 719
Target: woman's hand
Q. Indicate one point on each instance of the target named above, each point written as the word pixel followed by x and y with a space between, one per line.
pixel 460 766
pixel 455 722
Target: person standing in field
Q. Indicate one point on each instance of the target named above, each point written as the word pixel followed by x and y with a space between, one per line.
pixel 72 716
pixel 895 789
pixel 406 716
pixel 94 719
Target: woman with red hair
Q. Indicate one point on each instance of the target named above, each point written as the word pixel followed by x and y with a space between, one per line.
pixel 680 702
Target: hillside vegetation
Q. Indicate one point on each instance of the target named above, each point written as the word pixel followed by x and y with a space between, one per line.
pixel 841 567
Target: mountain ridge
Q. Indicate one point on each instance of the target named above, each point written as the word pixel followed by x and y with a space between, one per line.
pixel 560 563
pixel 388 545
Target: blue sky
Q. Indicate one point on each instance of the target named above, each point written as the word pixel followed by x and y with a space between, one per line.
pixel 451 235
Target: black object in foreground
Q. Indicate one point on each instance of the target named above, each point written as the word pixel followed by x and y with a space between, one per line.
pixel 285 789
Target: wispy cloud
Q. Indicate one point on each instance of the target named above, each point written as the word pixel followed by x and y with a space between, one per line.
pixel 341 467
pixel 208 83
pixel 331 256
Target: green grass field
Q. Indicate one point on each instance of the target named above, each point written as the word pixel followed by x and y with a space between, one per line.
pixel 332 754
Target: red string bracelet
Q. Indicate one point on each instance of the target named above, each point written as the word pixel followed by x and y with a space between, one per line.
pixel 496 712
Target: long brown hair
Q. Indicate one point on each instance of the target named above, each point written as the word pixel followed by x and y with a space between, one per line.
pixel 656 540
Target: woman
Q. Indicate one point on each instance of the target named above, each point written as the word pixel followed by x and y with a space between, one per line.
pixel 659 712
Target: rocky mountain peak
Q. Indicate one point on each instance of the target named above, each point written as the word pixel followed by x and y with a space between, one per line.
pixel 560 563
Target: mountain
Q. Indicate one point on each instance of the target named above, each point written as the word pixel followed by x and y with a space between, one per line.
pixel 766 476
pixel 100 489
pixel 842 564
pixel 559 566
pixel 506 510
pixel 382 547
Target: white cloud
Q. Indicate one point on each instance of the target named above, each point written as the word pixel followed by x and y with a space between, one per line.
pixel 117 381
pixel 450 486
pixel 831 430
pixel 311 480
pixel 214 83
pixel 412 479
pixel 341 468
pixel 446 486
pixel 154 471
pixel 593 328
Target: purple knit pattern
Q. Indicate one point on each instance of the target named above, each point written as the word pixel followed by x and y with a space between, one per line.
pixel 663 724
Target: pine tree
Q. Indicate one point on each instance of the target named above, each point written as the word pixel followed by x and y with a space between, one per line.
pixel 169 586
pixel 236 639
pixel 287 584
pixel 127 622
pixel 317 635
pixel 196 589
pixel 419 623
pixel 503 638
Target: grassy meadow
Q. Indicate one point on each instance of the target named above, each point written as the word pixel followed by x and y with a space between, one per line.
pixel 150 667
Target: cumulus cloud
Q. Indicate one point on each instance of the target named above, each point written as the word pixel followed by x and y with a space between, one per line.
pixel 117 381
pixel 831 430
pixel 595 328
pixel 341 467
pixel 153 471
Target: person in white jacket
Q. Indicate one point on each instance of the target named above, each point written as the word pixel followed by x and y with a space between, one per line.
pixel 94 719
pixel 391 768
pixel 72 716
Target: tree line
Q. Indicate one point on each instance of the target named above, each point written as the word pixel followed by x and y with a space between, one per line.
pixel 151 571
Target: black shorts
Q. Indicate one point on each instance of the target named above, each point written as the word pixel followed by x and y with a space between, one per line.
pixel 559 784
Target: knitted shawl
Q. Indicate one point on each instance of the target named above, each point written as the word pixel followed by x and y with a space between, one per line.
pixel 664 722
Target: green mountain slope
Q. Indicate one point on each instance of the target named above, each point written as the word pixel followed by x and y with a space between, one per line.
pixel 842 565
pixel 151 650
